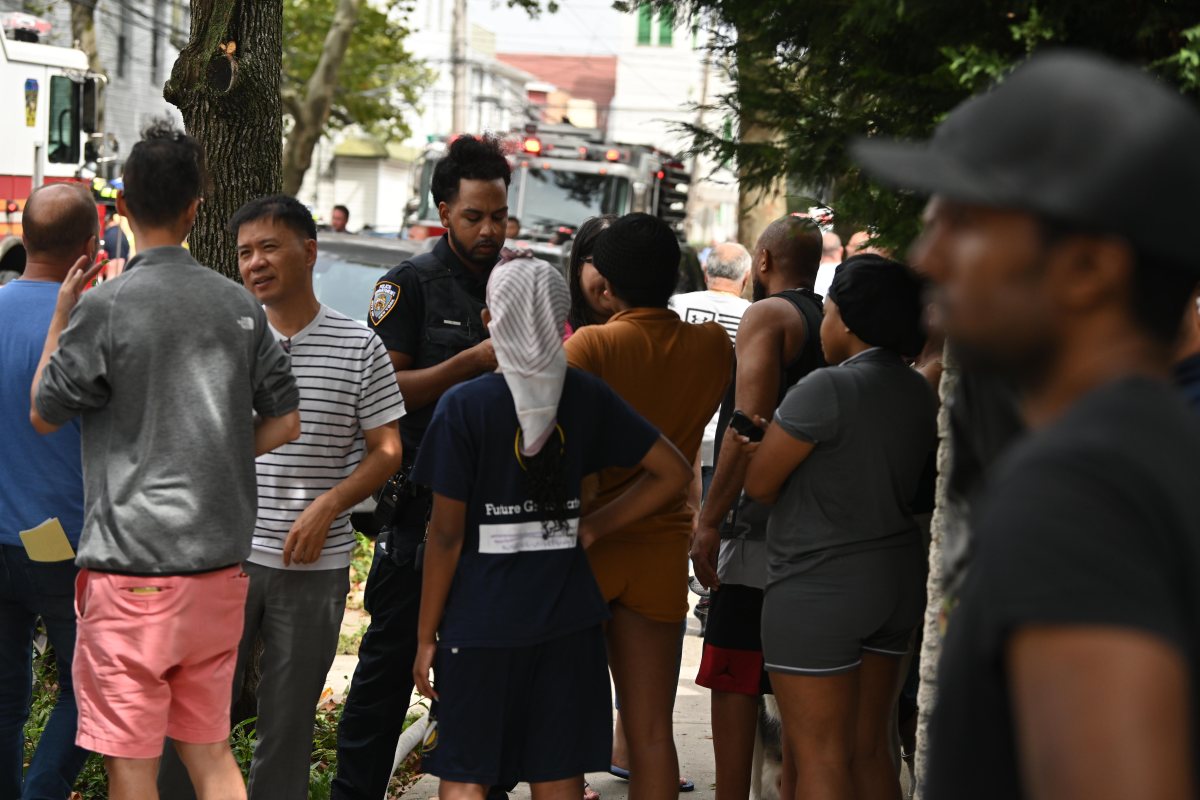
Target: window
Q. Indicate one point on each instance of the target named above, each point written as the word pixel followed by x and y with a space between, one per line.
pixel 666 27
pixel 645 24
pixel 156 40
pixel 547 198
pixel 63 136
pixel 123 43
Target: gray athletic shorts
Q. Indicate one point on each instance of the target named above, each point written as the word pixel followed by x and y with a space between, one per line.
pixel 820 620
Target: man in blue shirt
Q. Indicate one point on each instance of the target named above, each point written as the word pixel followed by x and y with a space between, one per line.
pixel 40 477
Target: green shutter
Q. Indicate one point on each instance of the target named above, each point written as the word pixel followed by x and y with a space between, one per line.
pixel 666 27
pixel 645 23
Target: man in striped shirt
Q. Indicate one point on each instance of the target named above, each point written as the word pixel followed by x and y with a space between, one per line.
pixel 349 445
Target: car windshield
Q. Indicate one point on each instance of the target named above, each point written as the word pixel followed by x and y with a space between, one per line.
pixel 559 197
pixel 345 285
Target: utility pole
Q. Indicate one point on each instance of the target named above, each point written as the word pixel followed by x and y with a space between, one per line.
pixel 458 62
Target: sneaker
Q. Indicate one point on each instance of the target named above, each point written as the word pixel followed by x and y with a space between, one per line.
pixel 701 613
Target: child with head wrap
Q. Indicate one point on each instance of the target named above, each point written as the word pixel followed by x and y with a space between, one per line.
pixel 845 559
pixel 510 619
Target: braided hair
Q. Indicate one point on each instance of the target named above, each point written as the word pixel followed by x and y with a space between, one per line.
pixel 546 484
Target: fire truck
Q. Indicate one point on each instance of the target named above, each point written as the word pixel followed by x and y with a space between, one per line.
pixel 52 133
pixel 561 176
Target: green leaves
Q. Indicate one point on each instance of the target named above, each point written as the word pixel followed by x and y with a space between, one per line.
pixel 815 74
pixel 379 78
pixel 1184 66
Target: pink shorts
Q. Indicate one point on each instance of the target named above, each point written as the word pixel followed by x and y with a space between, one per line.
pixel 155 657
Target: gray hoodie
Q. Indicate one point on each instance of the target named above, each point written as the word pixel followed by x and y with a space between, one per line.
pixel 166 365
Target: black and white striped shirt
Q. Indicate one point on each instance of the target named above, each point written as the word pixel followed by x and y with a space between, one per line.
pixel 347 385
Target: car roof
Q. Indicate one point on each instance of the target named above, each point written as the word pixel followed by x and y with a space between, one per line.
pixel 369 250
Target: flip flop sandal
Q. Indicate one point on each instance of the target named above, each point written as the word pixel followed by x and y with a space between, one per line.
pixel 620 772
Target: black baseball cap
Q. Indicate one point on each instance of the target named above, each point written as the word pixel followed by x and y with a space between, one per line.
pixel 1071 136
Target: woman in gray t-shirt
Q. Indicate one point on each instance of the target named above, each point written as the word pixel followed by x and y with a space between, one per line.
pixel 846 564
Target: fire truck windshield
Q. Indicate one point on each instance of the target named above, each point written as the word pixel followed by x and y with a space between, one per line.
pixel 549 198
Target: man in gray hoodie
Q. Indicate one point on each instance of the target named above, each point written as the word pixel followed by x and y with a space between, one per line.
pixel 168 366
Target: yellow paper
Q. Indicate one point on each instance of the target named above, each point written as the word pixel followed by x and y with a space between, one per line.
pixel 47 542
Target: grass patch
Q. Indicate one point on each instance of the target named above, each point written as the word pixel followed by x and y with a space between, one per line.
pixel 360 567
pixel 348 643
pixel 92 783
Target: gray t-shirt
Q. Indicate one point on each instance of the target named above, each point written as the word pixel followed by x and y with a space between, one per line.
pixel 873 421
pixel 743 561
pixel 166 364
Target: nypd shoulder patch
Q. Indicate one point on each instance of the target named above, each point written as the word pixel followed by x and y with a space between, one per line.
pixel 383 301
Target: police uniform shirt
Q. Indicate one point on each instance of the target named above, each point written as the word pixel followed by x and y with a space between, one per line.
pixel 397 312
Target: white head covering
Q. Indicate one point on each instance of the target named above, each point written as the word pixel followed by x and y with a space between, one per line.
pixel 528 301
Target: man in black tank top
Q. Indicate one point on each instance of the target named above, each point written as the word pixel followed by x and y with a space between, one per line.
pixel 778 344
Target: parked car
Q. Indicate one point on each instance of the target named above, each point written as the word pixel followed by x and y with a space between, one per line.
pixel 348 266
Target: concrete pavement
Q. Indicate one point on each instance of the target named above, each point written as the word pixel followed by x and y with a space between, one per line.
pixel 693 732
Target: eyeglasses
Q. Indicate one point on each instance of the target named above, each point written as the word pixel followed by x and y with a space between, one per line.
pixel 286 344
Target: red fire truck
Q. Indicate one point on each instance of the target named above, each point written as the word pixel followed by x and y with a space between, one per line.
pixel 561 176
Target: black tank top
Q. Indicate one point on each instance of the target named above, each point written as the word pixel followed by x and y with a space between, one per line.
pixel 809 305
pixel 748 519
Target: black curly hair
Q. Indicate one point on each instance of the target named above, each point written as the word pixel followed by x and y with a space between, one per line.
pixel 580 313
pixel 164 174
pixel 470 159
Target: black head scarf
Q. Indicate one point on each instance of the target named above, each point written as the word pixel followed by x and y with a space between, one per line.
pixel 882 302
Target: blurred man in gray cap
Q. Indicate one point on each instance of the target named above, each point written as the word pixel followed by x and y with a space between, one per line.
pixel 1072 665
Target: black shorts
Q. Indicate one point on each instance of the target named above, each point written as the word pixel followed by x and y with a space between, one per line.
pixel 522 714
pixel 820 620
pixel 733 654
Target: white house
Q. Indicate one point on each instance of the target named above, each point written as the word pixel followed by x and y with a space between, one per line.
pixel 664 70
pixel 496 98
pixel 372 179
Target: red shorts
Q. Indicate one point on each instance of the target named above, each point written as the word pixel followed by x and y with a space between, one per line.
pixel 155 657
pixel 732 659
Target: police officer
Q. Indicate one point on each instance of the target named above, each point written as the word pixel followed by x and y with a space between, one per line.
pixel 427 312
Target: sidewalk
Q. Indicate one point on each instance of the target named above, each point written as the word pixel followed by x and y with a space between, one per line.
pixel 693 734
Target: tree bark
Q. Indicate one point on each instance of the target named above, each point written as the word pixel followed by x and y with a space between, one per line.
pixel 931 642
pixel 226 85
pixel 310 113
pixel 83 31
pixel 759 207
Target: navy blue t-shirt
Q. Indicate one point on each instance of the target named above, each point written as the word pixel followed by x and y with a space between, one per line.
pixel 514 585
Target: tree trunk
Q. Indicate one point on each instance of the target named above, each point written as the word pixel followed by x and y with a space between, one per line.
pixel 310 113
pixel 83 31
pixel 931 643
pixel 226 85
pixel 759 207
